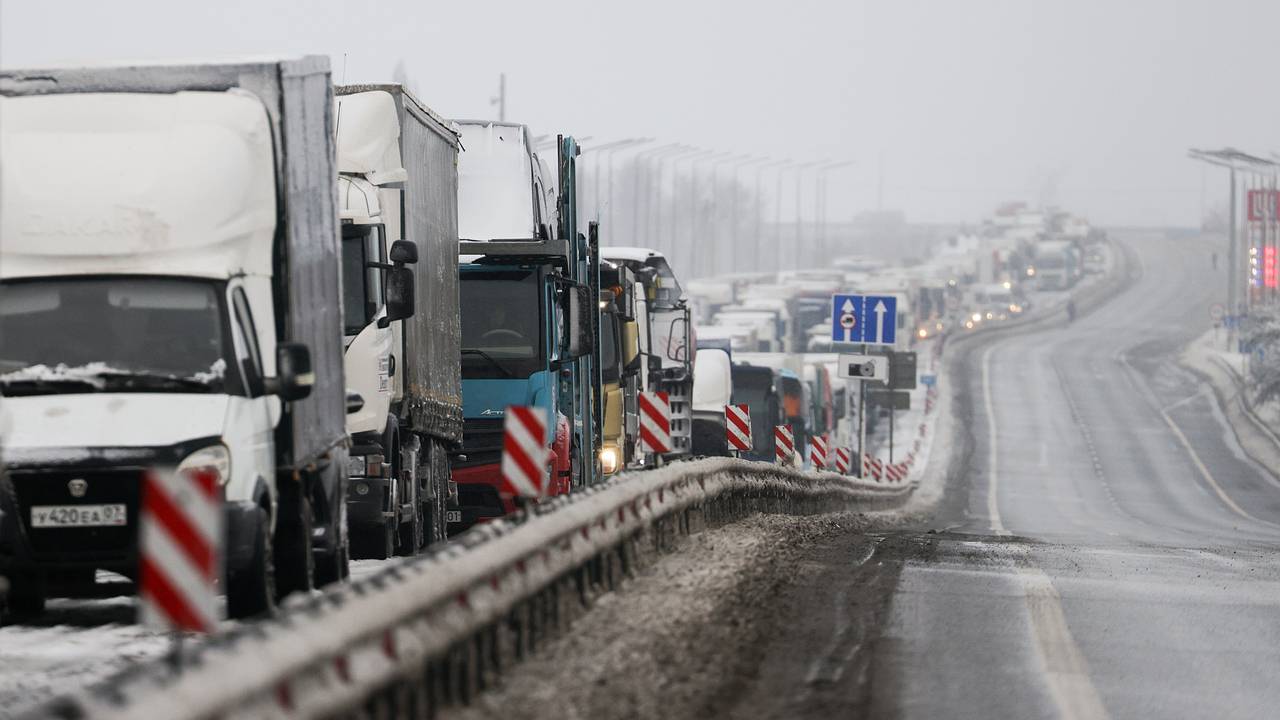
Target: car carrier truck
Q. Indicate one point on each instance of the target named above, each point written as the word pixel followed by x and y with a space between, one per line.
pixel 530 306
pixel 170 261
pixel 398 204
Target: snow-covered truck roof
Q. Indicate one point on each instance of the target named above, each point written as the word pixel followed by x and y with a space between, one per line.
pixel 135 182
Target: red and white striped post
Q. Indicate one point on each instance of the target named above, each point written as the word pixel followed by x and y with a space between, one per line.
pixel 524 452
pixel 655 423
pixel 180 550
pixel 842 460
pixel 784 444
pixel 737 427
pixel 818 451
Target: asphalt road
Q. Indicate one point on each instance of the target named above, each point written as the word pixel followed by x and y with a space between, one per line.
pixel 1104 548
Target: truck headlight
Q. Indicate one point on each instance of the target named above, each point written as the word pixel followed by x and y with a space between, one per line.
pixel 212 458
pixel 609 460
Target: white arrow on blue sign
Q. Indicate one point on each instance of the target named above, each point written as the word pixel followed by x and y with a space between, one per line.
pixel 870 319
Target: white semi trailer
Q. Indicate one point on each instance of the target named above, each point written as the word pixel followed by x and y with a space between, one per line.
pixel 169 270
pixel 398 203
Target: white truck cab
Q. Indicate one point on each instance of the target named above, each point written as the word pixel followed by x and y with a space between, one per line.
pixel 164 268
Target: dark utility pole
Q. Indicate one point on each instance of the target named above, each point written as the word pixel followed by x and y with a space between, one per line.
pixel 501 99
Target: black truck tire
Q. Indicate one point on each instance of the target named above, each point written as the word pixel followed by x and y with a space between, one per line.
pixel 252 590
pixel 294 559
pixel 24 600
pixel 335 564
pixel 378 543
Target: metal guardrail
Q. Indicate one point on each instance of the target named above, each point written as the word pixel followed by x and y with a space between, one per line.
pixel 432 631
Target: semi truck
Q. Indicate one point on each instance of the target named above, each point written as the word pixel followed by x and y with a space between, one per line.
pixel 171 264
pixel 398 206
pixel 619 369
pixel 666 339
pixel 530 293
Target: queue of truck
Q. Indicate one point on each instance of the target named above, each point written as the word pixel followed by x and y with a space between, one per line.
pixel 325 297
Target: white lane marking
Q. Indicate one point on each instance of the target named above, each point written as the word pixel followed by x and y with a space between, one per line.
pixel 993 478
pixel 1186 444
pixel 1065 669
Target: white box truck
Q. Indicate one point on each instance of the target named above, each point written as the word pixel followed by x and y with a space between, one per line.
pixel 169 275
pixel 398 204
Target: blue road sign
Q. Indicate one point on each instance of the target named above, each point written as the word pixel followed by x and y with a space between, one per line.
pixel 928 380
pixel 870 319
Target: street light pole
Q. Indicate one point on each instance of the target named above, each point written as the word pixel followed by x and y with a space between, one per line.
pixel 637 166
pixel 600 151
pixel 613 156
pixel 654 238
pixel 714 235
pixel 758 253
pixel 799 250
pixel 733 209
pixel 675 195
pixel 697 241
pixel 820 203
pixel 651 209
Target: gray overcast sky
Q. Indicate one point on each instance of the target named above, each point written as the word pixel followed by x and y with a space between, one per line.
pixel 968 102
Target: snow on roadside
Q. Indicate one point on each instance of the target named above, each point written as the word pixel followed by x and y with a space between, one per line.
pixel 75 643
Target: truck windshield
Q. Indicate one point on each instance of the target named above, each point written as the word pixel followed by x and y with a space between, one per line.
pixel 124 334
pixel 362 291
pixel 501 332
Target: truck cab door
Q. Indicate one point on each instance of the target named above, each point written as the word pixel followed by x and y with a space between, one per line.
pixel 249 428
pixel 369 360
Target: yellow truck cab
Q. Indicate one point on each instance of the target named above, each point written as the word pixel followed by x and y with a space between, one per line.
pixel 620 368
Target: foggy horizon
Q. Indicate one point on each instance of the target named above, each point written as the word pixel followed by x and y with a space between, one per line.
pixel 964 106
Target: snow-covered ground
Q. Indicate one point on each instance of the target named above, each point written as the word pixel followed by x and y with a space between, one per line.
pixel 78 642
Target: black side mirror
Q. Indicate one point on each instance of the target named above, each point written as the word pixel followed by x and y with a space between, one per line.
pixel 355 402
pixel 581 307
pixel 399 293
pixel 404 252
pixel 294 376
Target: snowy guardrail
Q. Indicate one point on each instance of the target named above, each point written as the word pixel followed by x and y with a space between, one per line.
pixel 432 631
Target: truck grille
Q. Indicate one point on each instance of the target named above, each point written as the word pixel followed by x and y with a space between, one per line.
pixel 114 546
pixel 481 442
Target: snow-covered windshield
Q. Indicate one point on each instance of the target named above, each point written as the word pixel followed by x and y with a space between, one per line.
pixel 114 334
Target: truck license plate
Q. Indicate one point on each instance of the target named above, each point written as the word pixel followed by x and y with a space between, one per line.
pixel 53 516
pixel 453 516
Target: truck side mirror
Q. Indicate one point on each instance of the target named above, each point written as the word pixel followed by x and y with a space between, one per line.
pixel 581 308
pixel 294 376
pixel 404 252
pixel 677 342
pixel 399 293
pixel 631 345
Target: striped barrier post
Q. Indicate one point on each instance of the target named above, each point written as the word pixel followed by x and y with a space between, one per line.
pixel 784 444
pixel 655 423
pixel 818 451
pixel 524 452
pixel 842 460
pixel 737 427
pixel 180 550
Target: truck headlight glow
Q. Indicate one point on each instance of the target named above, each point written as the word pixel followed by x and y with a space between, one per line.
pixel 212 458
pixel 609 459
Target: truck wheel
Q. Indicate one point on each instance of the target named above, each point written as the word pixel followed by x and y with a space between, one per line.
pixel 336 565
pixel 295 562
pixel 375 543
pixel 252 590
pixel 410 535
pixel 24 601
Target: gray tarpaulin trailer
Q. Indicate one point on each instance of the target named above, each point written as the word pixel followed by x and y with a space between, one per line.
pixel 432 404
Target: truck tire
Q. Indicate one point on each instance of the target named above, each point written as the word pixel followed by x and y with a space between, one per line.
pixel 294 559
pixel 252 590
pixel 335 566
pixel 24 601
pixel 435 508
pixel 377 543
